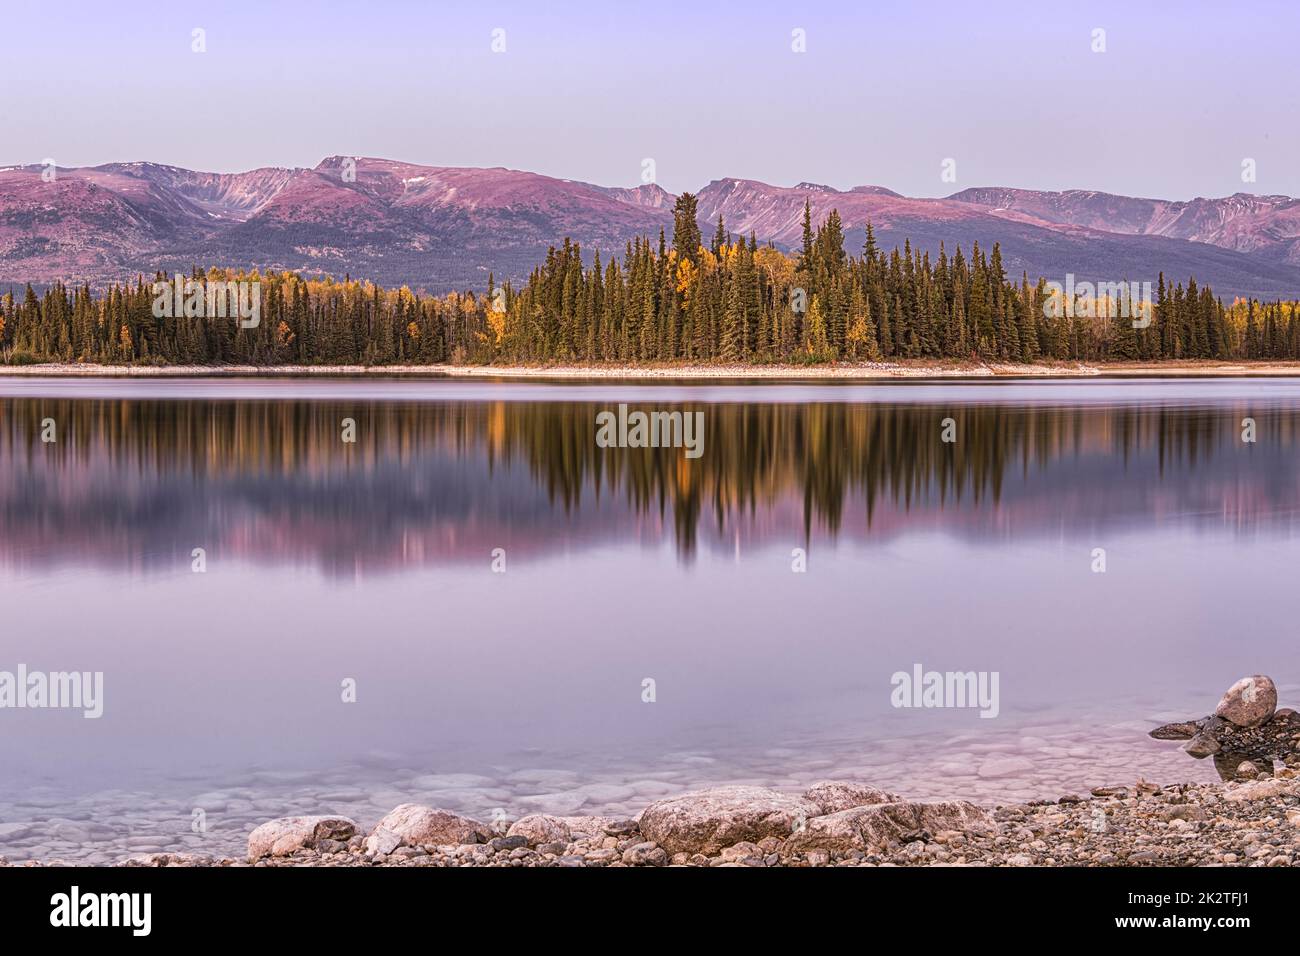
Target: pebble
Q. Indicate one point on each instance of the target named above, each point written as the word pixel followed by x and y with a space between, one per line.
pixel 1137 823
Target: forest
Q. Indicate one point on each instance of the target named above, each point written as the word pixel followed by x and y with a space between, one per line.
pixel 729 300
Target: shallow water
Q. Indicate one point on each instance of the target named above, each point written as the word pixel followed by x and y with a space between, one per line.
pixel 499 693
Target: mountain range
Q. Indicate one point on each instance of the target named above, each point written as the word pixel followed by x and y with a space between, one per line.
pixel 439 228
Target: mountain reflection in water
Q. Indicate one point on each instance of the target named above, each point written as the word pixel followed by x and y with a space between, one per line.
pixel 137 484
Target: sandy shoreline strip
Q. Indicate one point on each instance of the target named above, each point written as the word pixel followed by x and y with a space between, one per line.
pixel 846 372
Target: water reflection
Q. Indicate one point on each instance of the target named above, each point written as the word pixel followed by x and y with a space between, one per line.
pixel 523 690
pixel 136 484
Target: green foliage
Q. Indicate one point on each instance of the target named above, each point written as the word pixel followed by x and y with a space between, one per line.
pixel 734 302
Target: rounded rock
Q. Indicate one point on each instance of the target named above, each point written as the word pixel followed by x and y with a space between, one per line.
pixel 540 829
pixel 416 825
pixel 705 821
pixel 286 835
pixel 1249 702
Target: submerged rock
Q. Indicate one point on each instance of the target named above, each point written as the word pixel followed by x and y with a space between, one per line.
pixel 1000 766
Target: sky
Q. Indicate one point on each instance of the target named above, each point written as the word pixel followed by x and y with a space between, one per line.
pixel 1012 93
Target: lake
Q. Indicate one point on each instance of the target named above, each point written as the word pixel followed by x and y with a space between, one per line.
pixel 471 604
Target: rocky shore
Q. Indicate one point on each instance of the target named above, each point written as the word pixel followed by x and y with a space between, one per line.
pixel 1247 823
pixel 1251 818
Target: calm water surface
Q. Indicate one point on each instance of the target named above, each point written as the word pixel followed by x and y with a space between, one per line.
pixel 503 693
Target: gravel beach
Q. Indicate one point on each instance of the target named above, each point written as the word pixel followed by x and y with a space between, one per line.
pixel 1247 823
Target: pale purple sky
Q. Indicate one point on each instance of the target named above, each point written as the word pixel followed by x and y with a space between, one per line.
pixel 883 94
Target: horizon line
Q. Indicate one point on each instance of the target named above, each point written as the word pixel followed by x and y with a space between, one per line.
pixel 802 186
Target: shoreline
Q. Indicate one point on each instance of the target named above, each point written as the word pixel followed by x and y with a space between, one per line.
pixel 832 823
pixel 862 372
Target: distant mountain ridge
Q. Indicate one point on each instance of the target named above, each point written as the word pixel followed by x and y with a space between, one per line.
pixel 1243 221
pixel 439 228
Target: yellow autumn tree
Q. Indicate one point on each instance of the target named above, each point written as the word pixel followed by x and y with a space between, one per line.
pixel 496 320
pixel 815 343
pixel 283 335
pixel 686 278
